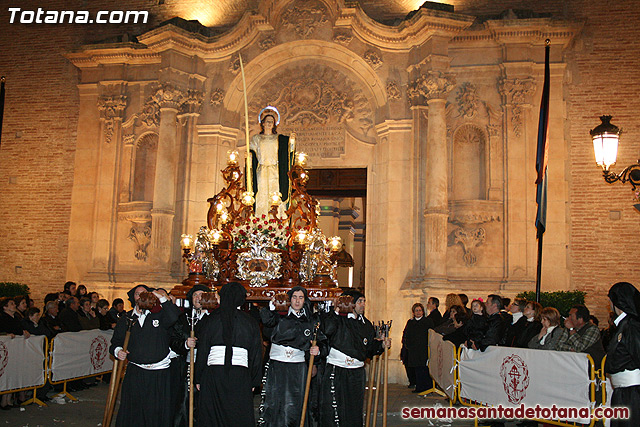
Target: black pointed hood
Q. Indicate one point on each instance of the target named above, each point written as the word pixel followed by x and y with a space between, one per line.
pixel 626 297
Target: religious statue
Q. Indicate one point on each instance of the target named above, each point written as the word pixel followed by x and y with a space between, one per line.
pixel 272 155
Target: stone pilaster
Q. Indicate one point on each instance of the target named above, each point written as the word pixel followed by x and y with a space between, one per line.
pixel 169 99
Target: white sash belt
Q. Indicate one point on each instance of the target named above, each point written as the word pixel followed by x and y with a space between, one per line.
pixel 163 364
pixel 338 358
pixel 240 356
pixel 282 353
pixel 625 378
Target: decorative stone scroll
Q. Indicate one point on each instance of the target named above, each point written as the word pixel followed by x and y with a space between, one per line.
pixel 373 59
pixel 467 100
pixel 430 85
pixel 516 93
pixel 140 234
pixel 342 37
pixel 304 17
pixel 111 108
pixel 469 239
pixel 393 91
pixel 267 43
pixel 217 95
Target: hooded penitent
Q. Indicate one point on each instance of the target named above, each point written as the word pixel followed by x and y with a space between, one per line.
pixel 626 297
pixel 232 296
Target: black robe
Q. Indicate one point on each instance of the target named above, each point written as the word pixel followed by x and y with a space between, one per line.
pixel 226 397
pixel 416 341
pixel 435 316
pixel 70 320
pixel 145 393
pixel 624 351
pixel 180 386
pixel 342 394
pixel 284 383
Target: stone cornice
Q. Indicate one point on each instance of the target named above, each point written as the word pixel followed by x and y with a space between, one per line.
pixel 414 32
pixel 241 35
pixel 530 31
pixel 125 53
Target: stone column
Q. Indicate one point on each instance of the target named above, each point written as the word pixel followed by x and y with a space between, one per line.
pixel 164 191
pixel 432 87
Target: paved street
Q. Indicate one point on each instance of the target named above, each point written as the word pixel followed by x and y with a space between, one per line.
pixel 90 406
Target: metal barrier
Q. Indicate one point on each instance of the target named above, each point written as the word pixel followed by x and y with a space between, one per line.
pixel 94 358
pixel 4 359
pixel 439 365
pixel 592 401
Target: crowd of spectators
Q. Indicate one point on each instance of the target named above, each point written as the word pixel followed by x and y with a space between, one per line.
pixel 498 321
pixel 71 310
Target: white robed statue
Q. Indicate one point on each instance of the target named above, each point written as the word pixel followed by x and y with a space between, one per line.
pixel 272 158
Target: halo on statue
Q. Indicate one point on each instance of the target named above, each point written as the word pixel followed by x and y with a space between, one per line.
pixel 269 107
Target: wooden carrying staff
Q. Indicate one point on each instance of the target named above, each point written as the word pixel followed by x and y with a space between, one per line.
pixel 192 360
pixel 309 371
pixel 372 373
pixel 116 374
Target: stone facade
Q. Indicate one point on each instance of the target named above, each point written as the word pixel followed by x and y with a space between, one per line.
pixel 110 150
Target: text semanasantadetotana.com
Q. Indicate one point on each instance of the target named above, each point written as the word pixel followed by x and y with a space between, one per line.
pixel 520 412
pixel 41 16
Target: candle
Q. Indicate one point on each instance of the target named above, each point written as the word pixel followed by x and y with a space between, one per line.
pixel 246 130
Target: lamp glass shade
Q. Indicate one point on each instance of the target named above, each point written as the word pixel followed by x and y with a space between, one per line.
pixel 605 148
pixel 186 241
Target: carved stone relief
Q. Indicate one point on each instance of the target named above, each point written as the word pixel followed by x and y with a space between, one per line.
pixel 304 17
pixel 150 114
pixel 267 43
pixel 234 64
pixel 314 94
pixel 516 93
pixel 430 85
pixel 191 102
pixel 111 107
pixel 169 96
pixel 342 37
pixel 393 91
pixel 469 239
pixel 467 100
pixel 140 234
pixel 373 59
pixel 217 95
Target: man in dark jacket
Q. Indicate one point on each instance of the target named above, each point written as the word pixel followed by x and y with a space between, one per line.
pixel 434 313
pixel 69 316
pixel 495 327
pixel 623 355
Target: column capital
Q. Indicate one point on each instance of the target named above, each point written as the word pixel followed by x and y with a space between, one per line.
pixel 430 85
pixel 517 91
pixel 169 96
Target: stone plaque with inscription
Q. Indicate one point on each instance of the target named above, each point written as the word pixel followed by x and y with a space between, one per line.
pixel 320 142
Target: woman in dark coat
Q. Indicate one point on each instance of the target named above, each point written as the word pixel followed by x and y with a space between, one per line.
pixel 416 341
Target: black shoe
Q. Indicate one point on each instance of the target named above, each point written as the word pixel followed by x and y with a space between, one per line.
pixel 411 386
pixel 6 407
pixel 418 391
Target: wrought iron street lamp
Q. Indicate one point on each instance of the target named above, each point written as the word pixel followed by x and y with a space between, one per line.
pixel 605 147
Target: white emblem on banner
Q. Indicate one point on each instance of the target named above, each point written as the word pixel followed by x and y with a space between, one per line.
pixel 156 323
pixel 515 378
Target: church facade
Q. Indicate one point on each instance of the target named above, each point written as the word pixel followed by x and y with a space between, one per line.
pixel 440 107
